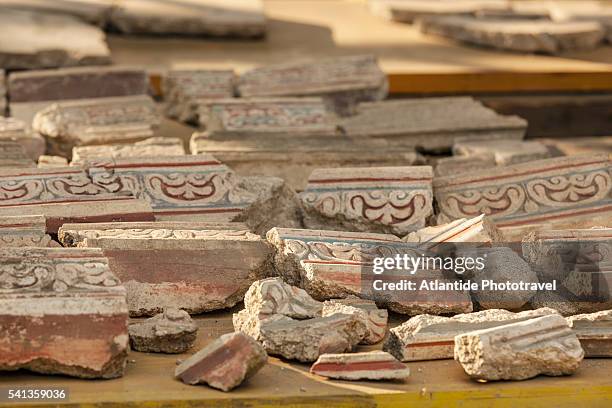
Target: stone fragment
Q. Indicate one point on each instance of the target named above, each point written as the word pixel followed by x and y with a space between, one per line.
pixel 519 351
pixel 62 311
pixel 172 331
pixel 334 264
pixel 96 121
pixel 433 124
pixel 216 268
pixel 375 365
pixel 393 200
pixel 477 230
pixel 152 147
pixel 18 131
pixel 65 194
pixel 343 82
pixel 185 90
pixel 33 91
pixel 506 152
pixel 407 11
pixel 92 11
pixel 49 41
pixel 594 331
pixel 266 117
pixel 306 340
pixel 294 159
pixel 427 337
pixel 215 18
pixel 199 188
pixel 449 166
pixel 24 231
pixel 375 319
pixel 13 155
pixel 528 35
pixel 3 103
pixel 46 161
pixel 564 192
pixel 225 363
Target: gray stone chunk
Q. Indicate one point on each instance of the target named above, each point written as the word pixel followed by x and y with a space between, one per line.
pixel 273 296
pixel 375 319
pixel 172 331
pixel 407 11
pixel 594 330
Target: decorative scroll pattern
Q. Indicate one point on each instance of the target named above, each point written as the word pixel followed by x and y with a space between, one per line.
pixel 163 233
pixel 272 116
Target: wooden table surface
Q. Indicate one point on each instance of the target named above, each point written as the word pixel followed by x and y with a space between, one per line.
pixel 416 63
pixel 149 382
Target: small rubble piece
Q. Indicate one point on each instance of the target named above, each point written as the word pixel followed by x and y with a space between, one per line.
pixel 13 155
pixel 478 230
pixel 578 261
pixel 522 196
pixel 375 365
pixel 335 264
pixel 215 18
pixel 49 41
pixel 449 166
pixel 266 117
pixel 294 159
pixel 65 194
pixel 271 296
pixel 343 82
pixel 393 200
pixel 216 267
pixel 17 131
pixel 124 119
pixel 62 311
pixel 172 331
pixel 506 152
pixel 199 188
pixel 26 231
pixel 594 332
pixel 433 124
pixel 427 337
pixel 225 363
pixel 185 90
pixel 306 340
pixel 519 351
pixel 408 11
pixel 46 161
pixel 531 36
pixel 152 147
pixel 375 319
pixel 32 91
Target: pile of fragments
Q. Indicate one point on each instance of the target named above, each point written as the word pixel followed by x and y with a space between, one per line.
pixel 297 176
pixel 531 26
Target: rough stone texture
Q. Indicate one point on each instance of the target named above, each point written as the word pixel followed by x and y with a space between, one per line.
pixel 334 264
pixel 199 188
pixel 266 117
pixel 3 102
pixel 527 35
pixel 594 331
pixel 216 268
pixel 393 200
pixel 407 11
pixel 343 82
pixel 62 311
pixel 225 363
pixel 580 262
pixel 65 194
pixel 519 351
pixel 477 230
pixel 306 340
pixel 294 159
pixel 92 11
pixel 73 235
pixel 172 331
pixel 185 90
pixel 427 337
pixel 565 192
pixel 49 41
pixel 506 152
pixel 46 161
pixel 18 131
pixel 152 147
pixel 24 231
pixel 375 319
pixel 375 365
pixel 216 18
pixel 449 166
pixel 13 155
pixel 66 124
pixel 432 123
